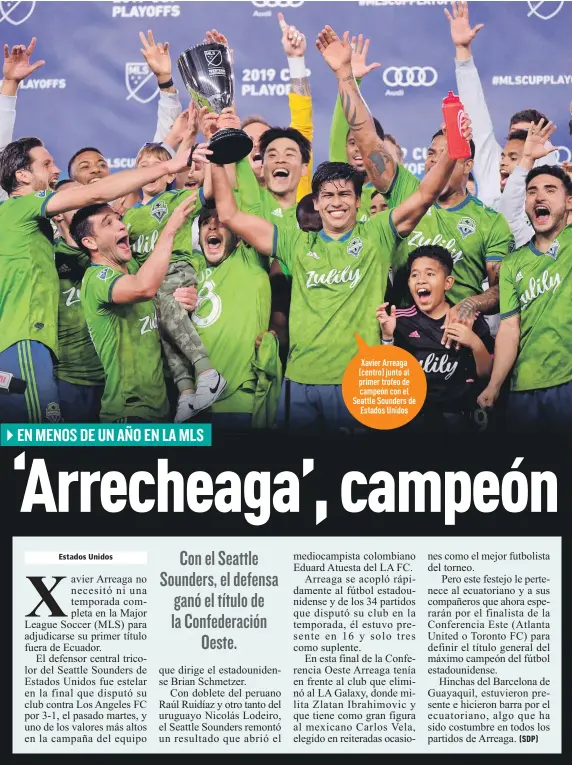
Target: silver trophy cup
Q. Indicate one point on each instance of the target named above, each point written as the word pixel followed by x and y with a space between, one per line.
pixel 207 73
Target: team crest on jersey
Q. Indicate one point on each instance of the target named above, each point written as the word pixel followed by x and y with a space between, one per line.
pixel 466 226
pixel 159 209
pixel 553 249
pixel 104 274
pixel 355 246
pixel 53 412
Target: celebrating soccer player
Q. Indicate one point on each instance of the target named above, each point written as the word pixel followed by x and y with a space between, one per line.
pixel 536 300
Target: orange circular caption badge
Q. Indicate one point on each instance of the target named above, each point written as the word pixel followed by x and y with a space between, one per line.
pixel 384 387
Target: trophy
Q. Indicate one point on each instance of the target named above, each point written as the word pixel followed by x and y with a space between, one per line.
pixel 207 73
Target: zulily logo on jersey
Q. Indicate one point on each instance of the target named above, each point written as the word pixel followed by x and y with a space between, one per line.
pixel 417 240
pixel 537 287
pixel 335 276
pixel 441 365
pixel 148 323
pixel 145 243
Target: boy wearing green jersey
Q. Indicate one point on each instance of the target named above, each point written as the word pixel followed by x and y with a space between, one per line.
pixel 337 273
pixel 79 373
pixel 536 298
pixel 183 348
pixel 29 285
pixel 117 297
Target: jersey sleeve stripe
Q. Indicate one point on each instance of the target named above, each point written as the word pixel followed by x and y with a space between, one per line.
pixel 493 258
pixel 111 286
pixel 275 242
pixel 43 207
pixel 509 313
pixel 395 231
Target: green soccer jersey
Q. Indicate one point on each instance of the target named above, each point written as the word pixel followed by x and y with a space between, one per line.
pixel 336 287
pixel 538 286
pixel 473 233
pixel 78 362
pixel 127 341
pixel 338 153
pixel 145 222
pixel 232 310
pixel 28 278
pixel 256 200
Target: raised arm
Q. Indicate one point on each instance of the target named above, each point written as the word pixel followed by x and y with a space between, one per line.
pixel 408 214
pixel 255 231
pixel 134 288
pixel 120 184
pixel 379 164
pixel 158 59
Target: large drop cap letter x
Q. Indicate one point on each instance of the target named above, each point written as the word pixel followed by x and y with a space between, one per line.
pixel 46 595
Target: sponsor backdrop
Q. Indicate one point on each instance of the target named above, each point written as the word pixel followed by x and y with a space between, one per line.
pixel 96 89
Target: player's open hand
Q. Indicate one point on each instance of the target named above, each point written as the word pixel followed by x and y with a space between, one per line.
pixel 337 53
pixel 17 65
pixel 461 32
pixel 462 335
pixel 537 144
pixel 156 55
pixel 360 47
pixel 387 321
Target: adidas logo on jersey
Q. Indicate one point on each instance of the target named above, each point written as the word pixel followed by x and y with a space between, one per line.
pixel 466 226
pixel 355 247
pixel 518 277
pixel 416 334
pixel 312 255
pixel 277 212
pixel 159 209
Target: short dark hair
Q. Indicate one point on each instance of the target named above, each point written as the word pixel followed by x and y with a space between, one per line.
pixel 16 156
pixel 471 142
pixel 378 129
pixel 555 172
pixel 435 252
pixel 528 115
pixel 336 171
pixel 308 218
pixel 273 133
pixel 517 135
pixel 471 177
pixel 76 155
pixel 81 223
pixel 61 183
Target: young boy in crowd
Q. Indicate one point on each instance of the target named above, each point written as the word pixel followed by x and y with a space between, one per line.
pixel 183 348
pixel 453 373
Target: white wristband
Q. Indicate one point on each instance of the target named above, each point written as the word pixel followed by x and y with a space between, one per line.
pixel 297 67
pixel 386 342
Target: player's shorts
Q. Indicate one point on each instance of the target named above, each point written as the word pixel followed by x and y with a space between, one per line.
pixel 543 409
pixel 80 403
pixel 313 407
pixel 33 362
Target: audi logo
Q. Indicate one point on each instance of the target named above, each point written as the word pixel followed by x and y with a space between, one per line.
pixel 277 3
pixel 414 76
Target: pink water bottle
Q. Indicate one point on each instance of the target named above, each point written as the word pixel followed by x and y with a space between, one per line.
pixel 453 113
